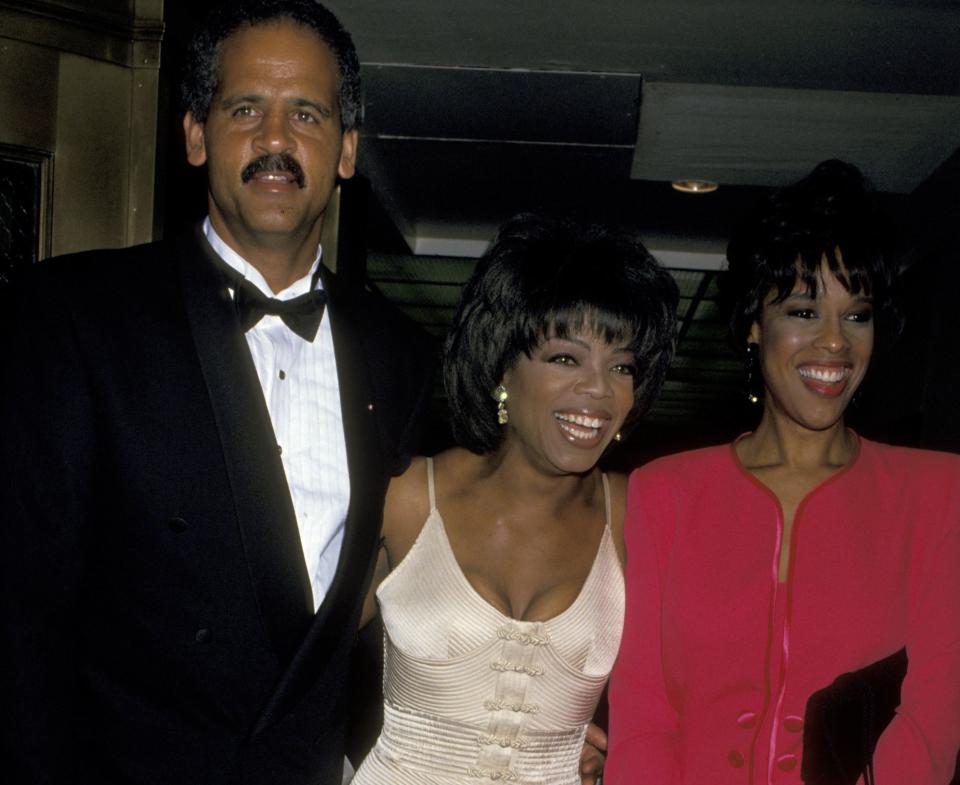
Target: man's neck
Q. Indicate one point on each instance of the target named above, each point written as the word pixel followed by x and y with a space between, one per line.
pixel 278 267
pixel 280 270
pixel 281 259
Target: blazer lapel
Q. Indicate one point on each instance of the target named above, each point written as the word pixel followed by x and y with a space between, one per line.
pixel 368 471
pixel 261 499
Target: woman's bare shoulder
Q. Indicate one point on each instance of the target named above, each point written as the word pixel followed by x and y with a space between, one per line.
pixel 408 498
pixel 407 504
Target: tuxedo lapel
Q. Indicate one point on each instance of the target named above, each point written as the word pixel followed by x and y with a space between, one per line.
pixel 261 498
pixel 367 468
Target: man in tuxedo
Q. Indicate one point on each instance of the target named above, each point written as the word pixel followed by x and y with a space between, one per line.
pixel 195 441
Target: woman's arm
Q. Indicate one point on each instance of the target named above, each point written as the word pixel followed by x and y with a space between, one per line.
pixel 618 503
pixel 404 512
pixel 380 571
pixel 920 744
pixel 643 724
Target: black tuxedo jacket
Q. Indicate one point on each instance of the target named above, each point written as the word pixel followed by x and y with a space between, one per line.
pixel 158 625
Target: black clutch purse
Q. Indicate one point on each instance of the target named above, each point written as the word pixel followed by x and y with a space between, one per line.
pixel 842 723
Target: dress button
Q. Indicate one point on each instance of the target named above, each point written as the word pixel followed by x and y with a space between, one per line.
pixel 177 525
pixel 787 762
pixel 735 759
pixel 747 719
pixel 793 723
pixel 203 635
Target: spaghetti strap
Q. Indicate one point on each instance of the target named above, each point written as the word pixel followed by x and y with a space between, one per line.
pixel 608 513
pixel 431 488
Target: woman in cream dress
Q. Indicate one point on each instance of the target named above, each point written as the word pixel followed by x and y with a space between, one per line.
pixel 504 606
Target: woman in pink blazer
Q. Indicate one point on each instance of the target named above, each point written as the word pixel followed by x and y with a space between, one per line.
pixel 760 571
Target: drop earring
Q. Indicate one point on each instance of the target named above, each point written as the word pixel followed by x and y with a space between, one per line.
pixel 754 383
pixel 500 396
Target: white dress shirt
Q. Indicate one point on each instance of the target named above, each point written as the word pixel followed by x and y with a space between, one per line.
pixel 299 381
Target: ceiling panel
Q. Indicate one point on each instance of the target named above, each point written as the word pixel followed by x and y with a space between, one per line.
pixel 768 136
pixel 901 46
pixel 517 106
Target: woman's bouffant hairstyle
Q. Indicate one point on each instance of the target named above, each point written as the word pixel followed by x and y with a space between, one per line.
pixel 201 68
pixel 545 277
pixel 830 214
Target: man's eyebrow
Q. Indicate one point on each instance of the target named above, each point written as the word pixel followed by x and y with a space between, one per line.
pixel 235 100
pixel 323 109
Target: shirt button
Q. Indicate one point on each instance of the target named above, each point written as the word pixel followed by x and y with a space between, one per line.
pixel 793 723
pixel 786 762
pixel 747 719
pixel 203 635
pixel 282 375
pixel 735 759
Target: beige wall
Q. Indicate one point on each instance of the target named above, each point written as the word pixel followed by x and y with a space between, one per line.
pixel 80 81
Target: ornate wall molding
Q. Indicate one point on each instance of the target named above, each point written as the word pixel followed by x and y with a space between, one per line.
pixel 99 30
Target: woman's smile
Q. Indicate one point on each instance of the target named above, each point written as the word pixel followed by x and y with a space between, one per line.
pixel 582 429
pixel 825 379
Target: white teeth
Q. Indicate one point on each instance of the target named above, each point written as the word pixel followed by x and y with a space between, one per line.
pixel 579 426
pixel 825 374
pixel 579 419
pixel 577 433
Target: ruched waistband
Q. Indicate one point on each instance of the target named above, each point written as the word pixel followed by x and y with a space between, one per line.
pixel 443 747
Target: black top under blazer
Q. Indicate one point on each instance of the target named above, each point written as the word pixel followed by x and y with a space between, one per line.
pixel 158 625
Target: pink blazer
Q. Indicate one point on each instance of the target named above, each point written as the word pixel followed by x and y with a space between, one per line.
pixel 719 657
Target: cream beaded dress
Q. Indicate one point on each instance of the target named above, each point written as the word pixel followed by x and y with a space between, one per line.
pixel 472 696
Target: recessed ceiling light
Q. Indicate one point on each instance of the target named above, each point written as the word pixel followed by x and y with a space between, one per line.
pixel 694 186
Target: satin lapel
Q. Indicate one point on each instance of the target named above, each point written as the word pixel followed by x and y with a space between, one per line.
pixel 261 498
pixel 367 467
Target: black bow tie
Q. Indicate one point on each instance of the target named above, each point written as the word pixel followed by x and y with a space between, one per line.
pixel 301 314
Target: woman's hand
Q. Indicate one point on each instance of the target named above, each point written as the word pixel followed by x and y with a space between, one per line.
pixel 593 755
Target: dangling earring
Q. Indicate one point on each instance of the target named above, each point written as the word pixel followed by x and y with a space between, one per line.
pixel 754 377
pixel 617 436
pixel 500 396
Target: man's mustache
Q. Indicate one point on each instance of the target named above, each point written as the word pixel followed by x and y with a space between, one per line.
pixel 278 162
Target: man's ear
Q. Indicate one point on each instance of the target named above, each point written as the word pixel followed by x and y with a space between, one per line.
pixel 193 134
pixel 348 154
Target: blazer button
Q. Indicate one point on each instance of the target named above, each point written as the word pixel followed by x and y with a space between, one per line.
pixel 177 525
pixel 786 762
pixel 735 759
pixel 203 635
pixel 793 723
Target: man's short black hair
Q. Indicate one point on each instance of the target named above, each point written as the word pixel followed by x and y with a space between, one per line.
pixel 201 69
pixel 831 215
pixel 544 277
